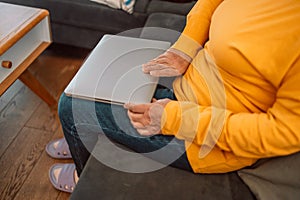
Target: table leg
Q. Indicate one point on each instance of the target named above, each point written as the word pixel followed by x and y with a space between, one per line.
pixel 30 81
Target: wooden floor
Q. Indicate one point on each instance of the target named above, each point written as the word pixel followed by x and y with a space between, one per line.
pixel 27 124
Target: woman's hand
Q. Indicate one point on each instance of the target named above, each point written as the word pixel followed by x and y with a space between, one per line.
pixel 146 118
pixel 171 63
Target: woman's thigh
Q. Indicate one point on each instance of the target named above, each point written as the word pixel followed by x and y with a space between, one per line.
pixel 112 120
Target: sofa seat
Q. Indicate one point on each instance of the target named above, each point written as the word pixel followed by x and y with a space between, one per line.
pixel 99 181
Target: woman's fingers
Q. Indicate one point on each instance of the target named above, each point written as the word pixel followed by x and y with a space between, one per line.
pixel 147 68
pixel 167 72
pixel 144 132
pixel 148 131
pixel 138 114
pixel 137 125
pixel 136 108
pixel 140 118
pixel 146 118
pixel 159 70
pixel 167 65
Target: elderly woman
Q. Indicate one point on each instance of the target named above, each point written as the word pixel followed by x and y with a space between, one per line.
pixel 235 100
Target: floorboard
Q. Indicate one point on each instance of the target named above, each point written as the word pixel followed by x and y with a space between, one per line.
pixel 27 124
pixel 37 185
pixel 44 118
pixel 14 116
pixel 16 167
pixel 10 94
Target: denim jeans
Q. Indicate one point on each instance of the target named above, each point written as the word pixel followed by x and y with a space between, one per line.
pixel 83 121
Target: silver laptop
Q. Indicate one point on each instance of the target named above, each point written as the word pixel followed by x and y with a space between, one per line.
pixel 112 73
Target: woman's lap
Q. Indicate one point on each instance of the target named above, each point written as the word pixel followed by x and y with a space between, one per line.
pixel 79 116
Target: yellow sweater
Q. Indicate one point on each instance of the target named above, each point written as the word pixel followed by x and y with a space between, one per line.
pixel 239 100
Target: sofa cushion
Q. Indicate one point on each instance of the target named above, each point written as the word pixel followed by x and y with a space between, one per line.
pixel 169 7
pixel 177 1
pixel 83 38
pixel 163 26
pixel 141 6
pixel 274 178
pixel 90 15
pixel 98 181
pixel 118 4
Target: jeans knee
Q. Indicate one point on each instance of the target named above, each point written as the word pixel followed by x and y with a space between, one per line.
pixel 65 109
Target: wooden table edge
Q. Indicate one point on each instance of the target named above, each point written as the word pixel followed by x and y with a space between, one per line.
pixel 22 67
pixel 23 30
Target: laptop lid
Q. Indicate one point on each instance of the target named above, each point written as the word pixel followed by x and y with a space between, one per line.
pixel 113 73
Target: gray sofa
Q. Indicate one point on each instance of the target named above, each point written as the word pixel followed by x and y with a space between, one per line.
pixel 82 23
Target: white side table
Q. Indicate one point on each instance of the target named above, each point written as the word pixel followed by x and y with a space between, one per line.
pixel 24 35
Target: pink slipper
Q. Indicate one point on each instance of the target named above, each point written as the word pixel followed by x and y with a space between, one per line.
pixel 66 180
pixel 58 149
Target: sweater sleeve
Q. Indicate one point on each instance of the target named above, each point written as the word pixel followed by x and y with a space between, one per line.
pixel 275 132
pixel 196 31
